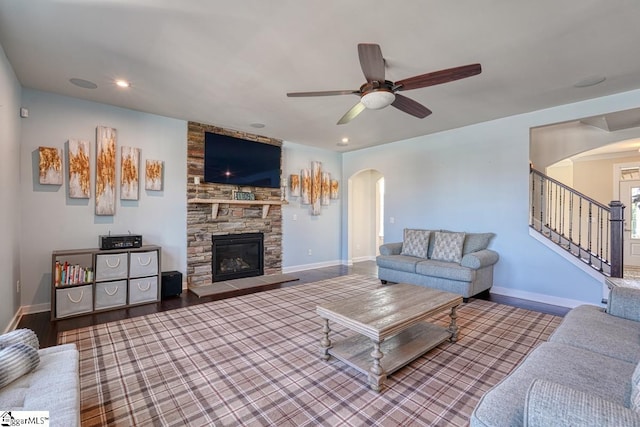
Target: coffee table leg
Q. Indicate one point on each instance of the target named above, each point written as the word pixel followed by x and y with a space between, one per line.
pixel 377 375
pixel 325 342
pixel 453 328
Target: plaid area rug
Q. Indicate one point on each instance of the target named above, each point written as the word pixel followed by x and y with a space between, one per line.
pixel 254 360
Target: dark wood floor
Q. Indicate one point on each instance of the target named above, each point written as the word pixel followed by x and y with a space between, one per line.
pixel 47 330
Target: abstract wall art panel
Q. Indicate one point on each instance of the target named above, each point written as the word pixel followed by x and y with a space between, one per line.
pixel 305 186
pixel 50 165
pixel 325 191
pixel 153 175
pixel 79 169
pixel 316 187
pixel 105 170
pixel 129 173
pixel 294 185
pixel 335 189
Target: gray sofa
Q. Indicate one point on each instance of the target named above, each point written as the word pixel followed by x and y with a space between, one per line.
pixel 587 374
pixel 52 385
pixel 469 272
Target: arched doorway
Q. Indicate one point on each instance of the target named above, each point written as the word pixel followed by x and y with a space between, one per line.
pixel 365 215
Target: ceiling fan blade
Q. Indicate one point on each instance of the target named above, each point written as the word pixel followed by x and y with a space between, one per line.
pixel 352 113
pixel 438 77
pixel 371 62
pixel 410 106
pixel 324 93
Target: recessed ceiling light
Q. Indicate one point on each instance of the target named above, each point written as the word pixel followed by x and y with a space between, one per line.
pixel 590 81
pixel 343 142
pixel 123 83
pixel 257 125
pixel 86 84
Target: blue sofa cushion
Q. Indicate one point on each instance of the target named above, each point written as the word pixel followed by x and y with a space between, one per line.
pixel 398 262
pixel 445 270
pixel 589 327
pixel 474 242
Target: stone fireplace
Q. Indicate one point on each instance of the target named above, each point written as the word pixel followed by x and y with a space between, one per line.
pixel 234 256
pixel 229 218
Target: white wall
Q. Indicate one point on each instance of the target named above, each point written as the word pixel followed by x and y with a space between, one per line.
pixel 301 231
pixel 10 91
pixel 476 178
pixel 50 220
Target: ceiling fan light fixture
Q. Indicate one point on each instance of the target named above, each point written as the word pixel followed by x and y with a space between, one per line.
pixel 377 99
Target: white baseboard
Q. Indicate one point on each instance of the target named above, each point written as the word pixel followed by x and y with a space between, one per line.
pixel 14 321
pixel 364 258
pixel 36 308
pixel 313 266
pixel 542 298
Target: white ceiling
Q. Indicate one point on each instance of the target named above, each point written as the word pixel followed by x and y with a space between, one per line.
pixel 231 63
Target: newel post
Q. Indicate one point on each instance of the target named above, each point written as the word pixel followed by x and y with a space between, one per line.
pixel 617 228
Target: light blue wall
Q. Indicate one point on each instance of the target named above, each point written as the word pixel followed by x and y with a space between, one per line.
pixel 10 91
pixel 50 220
pixel 319 233
pixel 476 179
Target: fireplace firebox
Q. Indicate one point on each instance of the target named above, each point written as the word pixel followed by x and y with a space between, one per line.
pixel 234 256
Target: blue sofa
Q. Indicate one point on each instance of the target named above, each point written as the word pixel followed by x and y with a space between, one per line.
pixel 468 276
pixel 587 374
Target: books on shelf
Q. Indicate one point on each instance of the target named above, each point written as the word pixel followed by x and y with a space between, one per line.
pixel 68 274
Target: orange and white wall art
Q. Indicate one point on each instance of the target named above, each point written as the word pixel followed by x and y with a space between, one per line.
pixel 79 169
pixel 50 165
pixel 129 173
pixel 105 170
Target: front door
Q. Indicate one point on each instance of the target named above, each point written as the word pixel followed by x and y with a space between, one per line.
pixel 630 197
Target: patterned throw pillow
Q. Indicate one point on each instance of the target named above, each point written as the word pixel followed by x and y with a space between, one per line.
pixel 15 361
pixel 448 246
pixel 19 336
pixel 416 242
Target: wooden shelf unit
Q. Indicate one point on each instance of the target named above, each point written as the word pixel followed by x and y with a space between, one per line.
pixel 120 278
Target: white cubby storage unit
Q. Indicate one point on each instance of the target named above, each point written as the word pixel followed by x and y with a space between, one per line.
pixel 85 281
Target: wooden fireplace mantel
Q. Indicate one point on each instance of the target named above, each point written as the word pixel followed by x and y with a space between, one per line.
pixel 215 204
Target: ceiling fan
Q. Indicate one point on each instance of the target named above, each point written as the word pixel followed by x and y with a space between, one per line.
pixel 378 93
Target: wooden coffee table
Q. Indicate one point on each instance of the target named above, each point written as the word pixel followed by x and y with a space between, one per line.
pixel 391 321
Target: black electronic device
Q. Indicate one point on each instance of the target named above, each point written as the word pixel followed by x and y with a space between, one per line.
pixel 171 284
pixel 236 161
pixel 120 241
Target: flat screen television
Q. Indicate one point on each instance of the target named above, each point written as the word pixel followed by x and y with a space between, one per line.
pixel 235 161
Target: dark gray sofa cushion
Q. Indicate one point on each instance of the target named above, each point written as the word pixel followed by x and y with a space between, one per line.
pixel 589 327
pixel 445 270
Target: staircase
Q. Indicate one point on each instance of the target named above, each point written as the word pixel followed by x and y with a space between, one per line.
pixel 588 230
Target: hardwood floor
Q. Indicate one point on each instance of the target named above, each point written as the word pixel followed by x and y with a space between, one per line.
pixel 47 330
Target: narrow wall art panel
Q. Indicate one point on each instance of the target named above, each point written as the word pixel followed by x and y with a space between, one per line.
pixel 153 175
pixel 316 187
pixel 79 169
pixel 335 189
pixel 326 189
pixel 105 171
pixel 295 185
pixel 129 173
pixel 305 186
pixel 50 165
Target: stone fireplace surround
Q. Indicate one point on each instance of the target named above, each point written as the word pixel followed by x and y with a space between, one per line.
pixel 231 219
